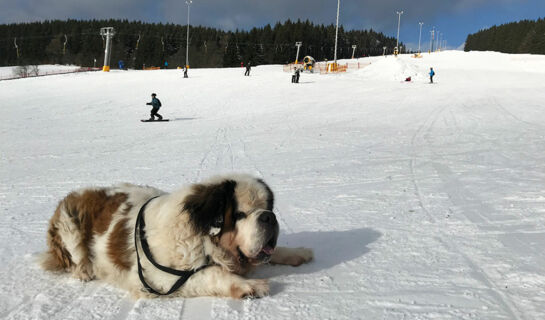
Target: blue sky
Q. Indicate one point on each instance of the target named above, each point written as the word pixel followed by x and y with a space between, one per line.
pixel 454 18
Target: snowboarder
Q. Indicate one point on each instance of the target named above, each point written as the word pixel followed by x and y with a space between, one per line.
pixel 156 105
pixel 248 68
pixel 432 73
pixel 296 75
pixel 185 71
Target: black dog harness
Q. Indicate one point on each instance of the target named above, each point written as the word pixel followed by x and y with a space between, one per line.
pixel 183 274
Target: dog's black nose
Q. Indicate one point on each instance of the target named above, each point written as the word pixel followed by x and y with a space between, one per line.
pixel 267 217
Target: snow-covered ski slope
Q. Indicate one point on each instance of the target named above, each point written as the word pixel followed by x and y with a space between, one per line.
pixel 420 201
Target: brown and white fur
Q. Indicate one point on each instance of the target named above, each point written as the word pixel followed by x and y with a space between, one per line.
pixel 91 235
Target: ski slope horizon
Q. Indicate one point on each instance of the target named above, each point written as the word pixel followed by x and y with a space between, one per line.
pixel 420 201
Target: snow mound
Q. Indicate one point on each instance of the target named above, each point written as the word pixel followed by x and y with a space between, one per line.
pixel 392 68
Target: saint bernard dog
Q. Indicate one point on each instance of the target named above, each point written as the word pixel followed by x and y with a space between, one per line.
pixel 198 241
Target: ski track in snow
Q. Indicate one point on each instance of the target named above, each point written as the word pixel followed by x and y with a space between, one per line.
pixel 420 201
pixel 459 197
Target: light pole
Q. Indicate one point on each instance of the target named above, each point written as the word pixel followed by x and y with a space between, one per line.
pixel 109 33
pixel 398 25
pixel 420 37
pixel 298 44
pixel 432 34
pixel 353 50
pixel 337 31
pixel 189 2
pixel 384 51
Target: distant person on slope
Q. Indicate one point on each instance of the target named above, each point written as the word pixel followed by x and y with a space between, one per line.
pixel 296 75
pixel 185 71
pixel 156 105
pixel 248 68
pixel 432 73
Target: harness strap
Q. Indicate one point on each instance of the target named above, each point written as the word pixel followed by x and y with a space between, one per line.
pixel 183 274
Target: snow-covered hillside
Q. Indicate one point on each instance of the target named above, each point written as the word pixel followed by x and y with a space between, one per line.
pixel 420 201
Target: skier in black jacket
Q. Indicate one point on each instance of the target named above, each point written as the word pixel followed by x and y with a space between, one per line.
pixel 296 75
pixel 156 103
pixel 248 68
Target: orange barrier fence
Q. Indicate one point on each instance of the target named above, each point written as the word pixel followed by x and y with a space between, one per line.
pixel 338 68
pixel 329 67
pixel 332 68
pixel 152 68
pixel 291 67
pixel 357 65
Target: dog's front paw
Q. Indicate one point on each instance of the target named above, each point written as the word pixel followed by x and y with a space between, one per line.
pixel 300 256
pixel 84 272
pixel 292 256
pixel 257 288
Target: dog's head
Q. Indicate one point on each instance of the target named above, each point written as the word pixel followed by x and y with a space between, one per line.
pixel 237 212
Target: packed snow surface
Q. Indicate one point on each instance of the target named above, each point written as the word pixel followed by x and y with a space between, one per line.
pixel 420 201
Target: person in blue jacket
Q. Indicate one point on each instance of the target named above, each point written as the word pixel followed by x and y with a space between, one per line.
pixel 156 104
pixel 432 73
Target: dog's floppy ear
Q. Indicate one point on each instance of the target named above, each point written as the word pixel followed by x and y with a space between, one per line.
pixel 207 205
pixel 270 195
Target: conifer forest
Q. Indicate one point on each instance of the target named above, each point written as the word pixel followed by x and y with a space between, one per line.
pixel 141 44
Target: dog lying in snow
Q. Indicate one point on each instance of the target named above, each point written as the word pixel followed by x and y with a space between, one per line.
pixel 198 241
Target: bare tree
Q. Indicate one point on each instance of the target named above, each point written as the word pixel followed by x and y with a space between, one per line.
pixel 34 70
pixel 21 71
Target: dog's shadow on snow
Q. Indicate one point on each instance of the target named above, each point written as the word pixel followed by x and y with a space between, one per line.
pixel 331 248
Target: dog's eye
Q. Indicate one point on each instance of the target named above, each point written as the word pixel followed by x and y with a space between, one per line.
pixel 239 215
